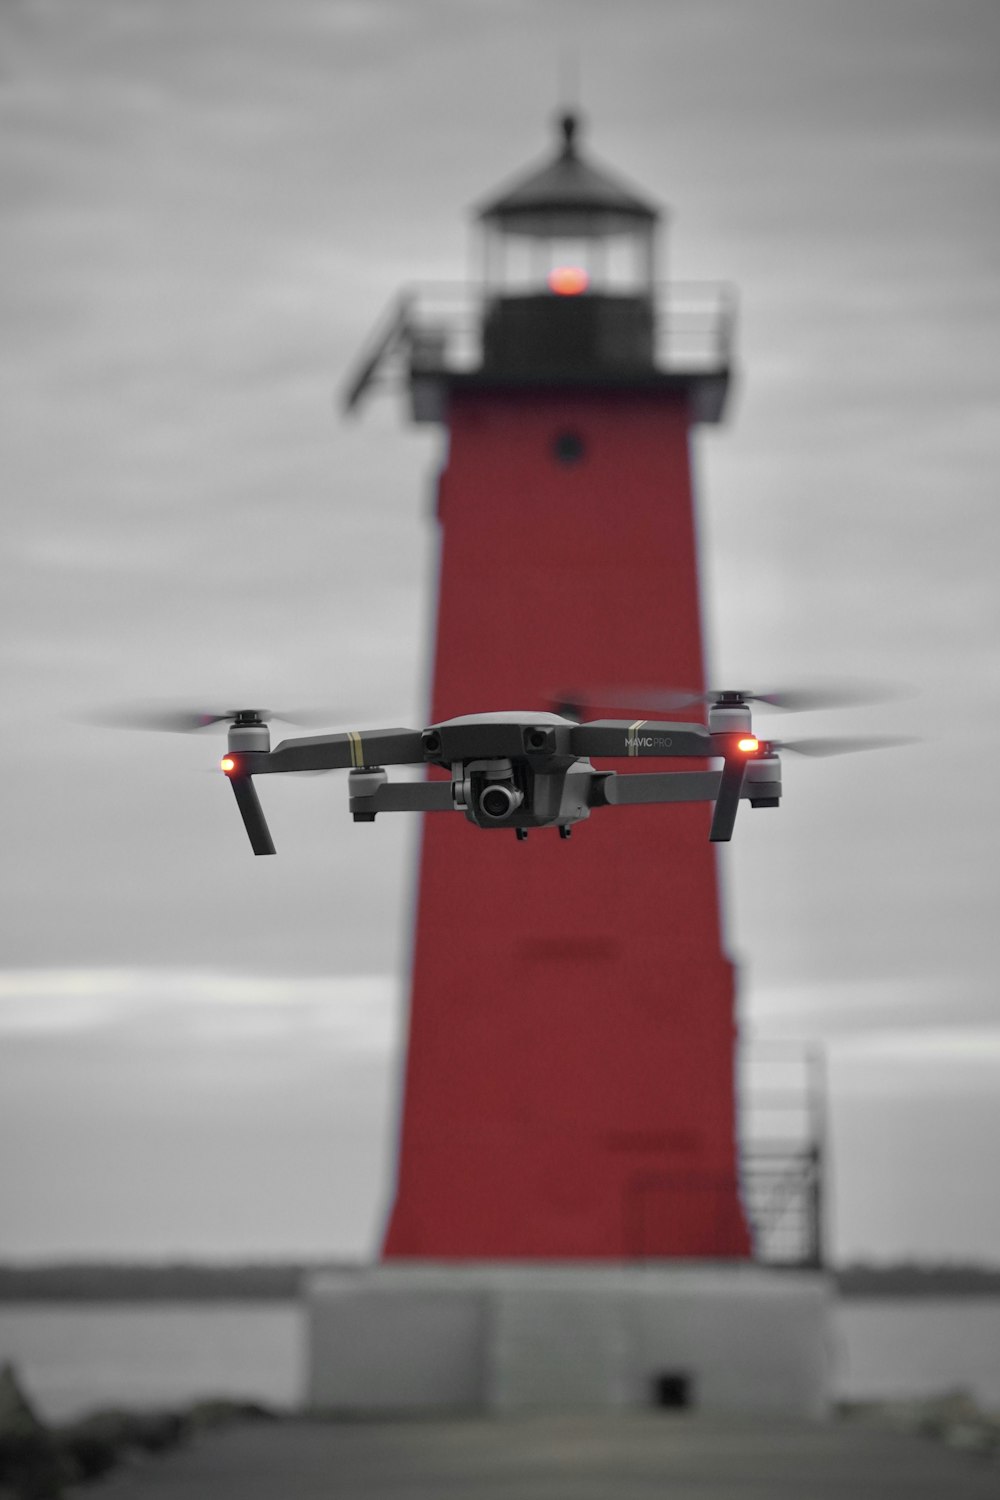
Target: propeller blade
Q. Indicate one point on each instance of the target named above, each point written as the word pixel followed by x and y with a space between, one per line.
pixel 163 719
pixel 566 705
pixel 181 719
pixel 574 704
pixel 252 814
pixel 846 694
pixel 802 699
pixel 826 745
pixel 319 716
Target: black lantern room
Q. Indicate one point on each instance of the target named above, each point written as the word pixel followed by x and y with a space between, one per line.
pixel 568 296
pixel 569 265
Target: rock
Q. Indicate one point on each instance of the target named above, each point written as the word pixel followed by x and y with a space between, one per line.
pixel 953 1417
pixel 17 1415
pixel 31 1465
pixel 222 1412
pixel 117 1430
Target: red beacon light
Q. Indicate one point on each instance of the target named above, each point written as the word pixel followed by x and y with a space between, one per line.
pixel 568 281
pixel 749 744
pixel 228 764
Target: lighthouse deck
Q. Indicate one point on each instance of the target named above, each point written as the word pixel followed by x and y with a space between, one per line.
pixel 585 1456
pixel 431 337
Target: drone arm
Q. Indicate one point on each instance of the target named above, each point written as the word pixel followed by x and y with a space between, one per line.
pixel 371 793
pixel 613 790
pixel 756 781
pixel 416 796
pixel 338 752
pixel 252 813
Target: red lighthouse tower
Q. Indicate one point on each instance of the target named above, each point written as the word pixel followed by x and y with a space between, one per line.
pixel 569 1088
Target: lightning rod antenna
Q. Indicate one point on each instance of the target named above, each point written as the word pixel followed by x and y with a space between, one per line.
pixel 569 79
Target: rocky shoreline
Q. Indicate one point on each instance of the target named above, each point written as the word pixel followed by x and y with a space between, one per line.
pixel 43 1461
pixel 953 1418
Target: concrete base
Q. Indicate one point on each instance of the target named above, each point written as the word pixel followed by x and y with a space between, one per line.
pixel 422 1336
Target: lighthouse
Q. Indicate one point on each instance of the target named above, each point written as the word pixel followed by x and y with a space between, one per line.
pixel 569 1079
pixel 567 1142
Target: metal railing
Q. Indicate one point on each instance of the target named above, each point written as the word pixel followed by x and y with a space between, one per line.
pixel 780 1180
pixel 437 327
pixel 782 1133
pixel 782 1196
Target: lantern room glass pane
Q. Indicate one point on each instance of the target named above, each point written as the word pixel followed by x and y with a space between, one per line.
pixel 519 264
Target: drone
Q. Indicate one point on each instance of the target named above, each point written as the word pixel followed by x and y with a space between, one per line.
pixel 525 770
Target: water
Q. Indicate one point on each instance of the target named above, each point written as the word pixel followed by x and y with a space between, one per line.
pixel 77 1356
pixel 74 1357
pixel 921 1346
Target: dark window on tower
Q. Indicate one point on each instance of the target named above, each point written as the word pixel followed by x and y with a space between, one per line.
pixel 672 1389
pixel 568 447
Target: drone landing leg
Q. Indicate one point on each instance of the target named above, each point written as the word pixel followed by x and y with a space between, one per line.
pixel 728 800
pixel 252 813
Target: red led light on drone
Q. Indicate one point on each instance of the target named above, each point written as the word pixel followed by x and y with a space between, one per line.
pixel 568 281
pixel 748 745
pixel 228 764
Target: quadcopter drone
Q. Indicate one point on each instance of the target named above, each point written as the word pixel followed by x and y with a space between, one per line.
pixel 525 770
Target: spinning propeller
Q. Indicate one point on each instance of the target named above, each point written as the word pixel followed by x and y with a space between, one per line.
pixel 185 720
pixel 845 744
pixel 729 709
pixel 801 699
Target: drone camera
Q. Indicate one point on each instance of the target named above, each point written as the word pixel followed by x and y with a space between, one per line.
pixel 487 791
pixel 431 740
pixel 498 800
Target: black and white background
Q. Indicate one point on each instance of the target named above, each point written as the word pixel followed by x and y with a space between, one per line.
pixel 205 208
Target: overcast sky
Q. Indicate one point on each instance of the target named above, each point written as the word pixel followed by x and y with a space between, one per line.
pixel 206 207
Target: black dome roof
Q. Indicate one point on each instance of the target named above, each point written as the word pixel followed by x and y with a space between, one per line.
pixel 568 194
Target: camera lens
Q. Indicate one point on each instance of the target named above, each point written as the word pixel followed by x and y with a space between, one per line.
pixel 497 801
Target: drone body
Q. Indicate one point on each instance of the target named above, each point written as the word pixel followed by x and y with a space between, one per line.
pixel 518 770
